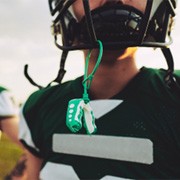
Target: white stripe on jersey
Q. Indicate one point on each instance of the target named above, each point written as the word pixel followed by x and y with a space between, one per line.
pixel 54 171
pixel 102 107
pixel 129 149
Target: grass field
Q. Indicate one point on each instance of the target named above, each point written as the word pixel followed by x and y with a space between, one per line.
pixel 9 154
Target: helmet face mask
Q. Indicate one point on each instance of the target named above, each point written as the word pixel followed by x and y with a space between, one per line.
pixel 112 25
pixel 117 26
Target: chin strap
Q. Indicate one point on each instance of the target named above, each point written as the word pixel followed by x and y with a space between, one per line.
pixel 29 78
pixel 59 77
pixel 61 71
pixel 169 78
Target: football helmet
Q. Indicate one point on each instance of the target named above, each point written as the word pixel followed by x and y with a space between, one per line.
pixel 116 25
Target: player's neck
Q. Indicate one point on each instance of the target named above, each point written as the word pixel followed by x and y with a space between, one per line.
pixel 111 78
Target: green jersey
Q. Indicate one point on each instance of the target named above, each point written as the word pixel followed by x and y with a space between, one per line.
pixel 138 131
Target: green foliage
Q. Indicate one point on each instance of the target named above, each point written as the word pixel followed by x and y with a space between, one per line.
pixel 9 155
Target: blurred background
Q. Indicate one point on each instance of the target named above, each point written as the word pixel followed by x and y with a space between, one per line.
pixel 25 38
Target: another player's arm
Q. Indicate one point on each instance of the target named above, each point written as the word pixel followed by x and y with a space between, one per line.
pixel 9 125
pixel 33 166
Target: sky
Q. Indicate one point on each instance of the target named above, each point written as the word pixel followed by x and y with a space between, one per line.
pixel 25 38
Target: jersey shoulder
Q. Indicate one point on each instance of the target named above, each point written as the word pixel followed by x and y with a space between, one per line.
pixel 158 87
pixel 40 114
pixel 47 95
pixel 49 100
pixel 177 76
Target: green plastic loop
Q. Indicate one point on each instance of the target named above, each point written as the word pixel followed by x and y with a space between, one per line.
pixel 88 78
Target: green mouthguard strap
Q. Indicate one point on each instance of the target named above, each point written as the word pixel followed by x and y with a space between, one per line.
pixel 88 78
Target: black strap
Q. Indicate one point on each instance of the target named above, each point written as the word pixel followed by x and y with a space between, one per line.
pixel 169 78
pixel 29 78
pixel 61 71
pixel 170 63
pixel 59 77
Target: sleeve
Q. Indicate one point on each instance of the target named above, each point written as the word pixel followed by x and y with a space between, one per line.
pixel 34 124
pixel 7 104
pixel 25 134
pixel 30 124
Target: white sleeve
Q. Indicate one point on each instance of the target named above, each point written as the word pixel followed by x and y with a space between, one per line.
pixel 7 106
